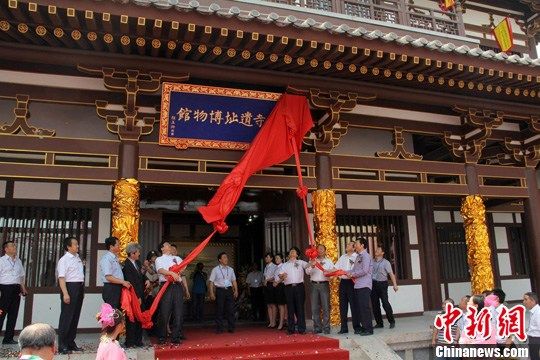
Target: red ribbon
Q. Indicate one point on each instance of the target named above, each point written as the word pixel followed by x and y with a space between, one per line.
pixel 130 301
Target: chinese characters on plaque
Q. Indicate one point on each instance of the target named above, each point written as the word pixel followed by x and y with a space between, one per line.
pixel 212 117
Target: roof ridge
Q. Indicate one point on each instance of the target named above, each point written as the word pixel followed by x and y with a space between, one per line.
pixel 345 29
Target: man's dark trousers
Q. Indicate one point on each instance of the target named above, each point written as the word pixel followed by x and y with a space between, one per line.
pixel 111 294
pixel 362 297
pixel 172 304
pixel 380 292
pixel 225 307
pixel 346 298
pixel 296 297
pixel 69 315
pixel 10 300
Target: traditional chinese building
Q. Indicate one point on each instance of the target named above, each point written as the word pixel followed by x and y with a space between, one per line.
pixel 415 108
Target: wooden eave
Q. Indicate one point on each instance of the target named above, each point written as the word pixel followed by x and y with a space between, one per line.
pixel 107 27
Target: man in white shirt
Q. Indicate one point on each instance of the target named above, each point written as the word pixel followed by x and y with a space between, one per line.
pixel 11 288
pixel 254 280
pixel 223 289
pixel 346 287
pixel 172 302
pixel 320 291
pixel 530 301
pixel 70 271
pixel 292 275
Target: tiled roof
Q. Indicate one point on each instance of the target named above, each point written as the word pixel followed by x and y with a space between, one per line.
pixel 309 23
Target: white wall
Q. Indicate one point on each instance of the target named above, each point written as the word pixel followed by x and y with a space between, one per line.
pixel 367 202
pixel 366 142
pixel 457 290
pixel 46 309
pixel 442 216
pixel 398 202
pixel 89 192
pixel 2 188
pixel 413 233
pixel 104 226
pixel 408 299
pixel 515 288
pixel 36 190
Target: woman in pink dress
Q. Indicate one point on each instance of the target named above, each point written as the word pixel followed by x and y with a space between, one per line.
pixel 112 325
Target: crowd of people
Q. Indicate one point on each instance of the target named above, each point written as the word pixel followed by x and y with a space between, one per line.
pixel 363 282
pixel 277 294
pixel 494 301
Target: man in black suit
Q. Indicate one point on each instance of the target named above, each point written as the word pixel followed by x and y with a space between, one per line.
pixel 132 273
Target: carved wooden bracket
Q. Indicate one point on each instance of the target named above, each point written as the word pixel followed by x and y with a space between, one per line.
pixel 520 152
pixel 526 151
pixel 399 149
pixel 329 129
pixel 21 120
pixel 534 123
pixel 469 147
pixel 129 123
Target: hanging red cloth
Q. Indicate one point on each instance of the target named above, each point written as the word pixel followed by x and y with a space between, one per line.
pixel 290 119
pixel 279 138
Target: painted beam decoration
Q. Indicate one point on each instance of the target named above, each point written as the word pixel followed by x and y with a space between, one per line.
pixel 212 117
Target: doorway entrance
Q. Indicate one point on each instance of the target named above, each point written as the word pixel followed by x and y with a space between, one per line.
pixel 260 222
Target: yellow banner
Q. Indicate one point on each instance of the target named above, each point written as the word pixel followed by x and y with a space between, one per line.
pixel 446 5
pixel 503 35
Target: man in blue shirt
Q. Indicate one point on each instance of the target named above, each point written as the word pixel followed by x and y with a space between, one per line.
pixel 361 273
pixel 111 273
pixel 199 291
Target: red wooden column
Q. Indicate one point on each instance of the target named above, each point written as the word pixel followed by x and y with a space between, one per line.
pixel 532 224
pixel 428 240
pixel 128 159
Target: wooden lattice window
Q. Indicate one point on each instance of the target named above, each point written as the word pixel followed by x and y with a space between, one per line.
pixel 452 252
pixel 388 231
pixel 39 233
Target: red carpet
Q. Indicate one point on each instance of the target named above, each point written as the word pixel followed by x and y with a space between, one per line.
pixel 251 342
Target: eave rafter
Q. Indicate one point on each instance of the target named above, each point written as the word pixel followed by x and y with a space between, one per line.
pixel 375 61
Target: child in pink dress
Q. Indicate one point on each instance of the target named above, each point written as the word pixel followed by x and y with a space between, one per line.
pixel 112 324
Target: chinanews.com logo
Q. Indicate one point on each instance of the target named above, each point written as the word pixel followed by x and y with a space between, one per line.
pixel 480 351
pixel 480 331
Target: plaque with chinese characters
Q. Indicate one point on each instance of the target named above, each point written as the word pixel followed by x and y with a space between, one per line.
pixel 212 117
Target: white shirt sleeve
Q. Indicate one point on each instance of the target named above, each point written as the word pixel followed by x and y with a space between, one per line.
pixel 159 264
pixel 213 275
pixel 61 268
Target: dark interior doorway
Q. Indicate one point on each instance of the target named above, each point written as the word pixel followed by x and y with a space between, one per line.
pixel 170 213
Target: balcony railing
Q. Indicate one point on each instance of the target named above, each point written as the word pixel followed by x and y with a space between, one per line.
pixel 390 11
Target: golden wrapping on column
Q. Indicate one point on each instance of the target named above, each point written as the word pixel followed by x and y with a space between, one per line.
pixel 478 248
pixel 125 213
pixel 324 210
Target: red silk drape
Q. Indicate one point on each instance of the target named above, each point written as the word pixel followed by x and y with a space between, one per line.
pixel 290 119
pixel 279 138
